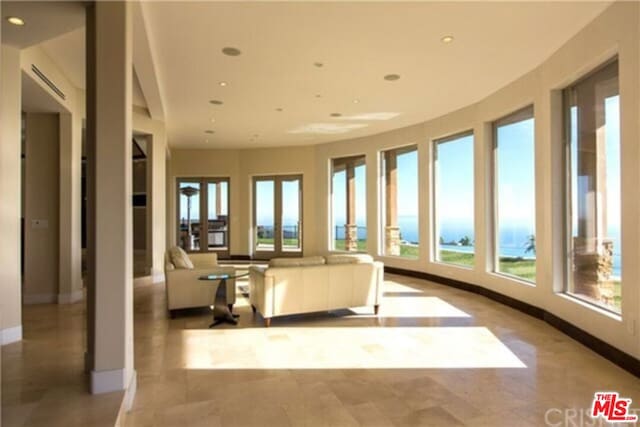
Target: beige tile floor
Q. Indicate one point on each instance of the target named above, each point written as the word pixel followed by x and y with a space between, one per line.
pixel 435 356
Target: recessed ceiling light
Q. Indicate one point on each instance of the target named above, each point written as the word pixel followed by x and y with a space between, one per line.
pixel 318 96
pixel 223 84
pixel 335 114
pixel 318 64
pixel 356 101
pixel 15 21
pixel 447 39
pixel 213 120
pixel 215 102
pixel 231 51
pixel 392 77
pixel 279 109
pixel 209 131
pixel 206 140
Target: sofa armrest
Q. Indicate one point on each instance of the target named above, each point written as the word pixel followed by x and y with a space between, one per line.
pixel 261 290
pixel 379 269
pixel 204 260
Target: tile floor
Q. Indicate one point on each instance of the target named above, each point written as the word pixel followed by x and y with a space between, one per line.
pixel 435 356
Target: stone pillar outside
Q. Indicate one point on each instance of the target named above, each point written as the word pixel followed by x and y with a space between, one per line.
pixel 392 240
pixel 351 237
pixel 592 269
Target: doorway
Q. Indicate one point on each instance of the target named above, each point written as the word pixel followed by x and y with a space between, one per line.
pixel 277 216
pixel 206 198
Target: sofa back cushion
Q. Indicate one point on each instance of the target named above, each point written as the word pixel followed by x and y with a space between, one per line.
pixel 349 259
pixel 179 258
pixel 296 262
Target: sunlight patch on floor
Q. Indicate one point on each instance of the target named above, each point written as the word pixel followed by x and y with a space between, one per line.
pixel 413 306
pixel 346 348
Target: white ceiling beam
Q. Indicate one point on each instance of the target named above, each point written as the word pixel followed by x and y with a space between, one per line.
pixel 144 64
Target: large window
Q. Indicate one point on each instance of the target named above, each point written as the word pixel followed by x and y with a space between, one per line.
pixel 514 190
pixel 592 125
pixel 206 198
pixel 349 204
pixel 399 178
pixel 453 200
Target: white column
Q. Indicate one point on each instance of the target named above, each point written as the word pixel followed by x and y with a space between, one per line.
pixel 70 260
pixel 10 197
pixel 109 132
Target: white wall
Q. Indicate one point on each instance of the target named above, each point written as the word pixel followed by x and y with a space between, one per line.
pixel 615 31
pixel 10 134
pixel 41 225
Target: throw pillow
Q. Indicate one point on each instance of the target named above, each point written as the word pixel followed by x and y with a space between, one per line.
pixel 180 259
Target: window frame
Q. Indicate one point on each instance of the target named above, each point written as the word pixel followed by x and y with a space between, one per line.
pixel 435 251
pixel 568 284
pixel 225 251
pixel 356 160
pixel 520 115
pixel 382 180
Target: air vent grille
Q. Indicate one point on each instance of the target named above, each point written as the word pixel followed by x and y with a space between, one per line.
pixel 48 82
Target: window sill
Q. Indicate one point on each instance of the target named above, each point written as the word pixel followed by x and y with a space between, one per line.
pixel 610 314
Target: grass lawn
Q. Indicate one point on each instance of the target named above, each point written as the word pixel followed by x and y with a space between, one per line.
pixel 522 268
pixel 459 258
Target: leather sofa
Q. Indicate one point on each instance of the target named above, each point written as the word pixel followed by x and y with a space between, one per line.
pixel 183 288
pixel 304 285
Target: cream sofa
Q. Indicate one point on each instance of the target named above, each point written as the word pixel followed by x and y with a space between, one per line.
pixel 184 290
pixel 304 285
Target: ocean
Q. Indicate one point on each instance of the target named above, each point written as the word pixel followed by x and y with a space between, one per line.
pixel 512 243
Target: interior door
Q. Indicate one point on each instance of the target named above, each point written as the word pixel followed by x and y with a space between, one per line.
pixel 277 216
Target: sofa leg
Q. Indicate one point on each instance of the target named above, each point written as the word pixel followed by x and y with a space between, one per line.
pixel 230 308
pixel 376 308
pixel 267 322
pixel 253 307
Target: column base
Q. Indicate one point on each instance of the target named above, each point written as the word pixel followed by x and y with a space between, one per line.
pixel 10 335
pixel 70 297
pixel 112 380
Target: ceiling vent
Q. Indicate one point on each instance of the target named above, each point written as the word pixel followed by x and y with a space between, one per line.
pixel 48 82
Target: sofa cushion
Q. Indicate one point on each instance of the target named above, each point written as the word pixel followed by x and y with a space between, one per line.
pixel 349 259
pixel 296 262
pixel 179 258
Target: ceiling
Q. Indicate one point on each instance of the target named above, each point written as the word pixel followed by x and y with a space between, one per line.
pixel 357 43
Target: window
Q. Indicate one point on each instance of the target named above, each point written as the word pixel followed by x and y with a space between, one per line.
pixel 592 125
pixel 399 178
pixel 514 190
pixel 349 204
pixel 453 200
pixel 203 198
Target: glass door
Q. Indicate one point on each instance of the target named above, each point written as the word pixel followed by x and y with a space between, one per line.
pixel 203 215
pixel 277 216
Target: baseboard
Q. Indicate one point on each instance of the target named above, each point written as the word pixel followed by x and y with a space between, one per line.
pixel 40 298
pixel 112 380
pixel 70 297
pixel 10 335
pixel 609 352
pixel 239 258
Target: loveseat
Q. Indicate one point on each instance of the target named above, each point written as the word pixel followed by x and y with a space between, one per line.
pixel 184 290
pixel 304 285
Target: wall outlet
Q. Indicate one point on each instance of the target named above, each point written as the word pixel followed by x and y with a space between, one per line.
pixel 39 223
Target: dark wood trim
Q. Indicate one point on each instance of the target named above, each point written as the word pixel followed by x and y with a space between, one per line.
pixel 609 352
pixel 239 258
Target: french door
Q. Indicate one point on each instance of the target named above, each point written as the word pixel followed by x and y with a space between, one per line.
pixel 203 215
pixel 277 216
